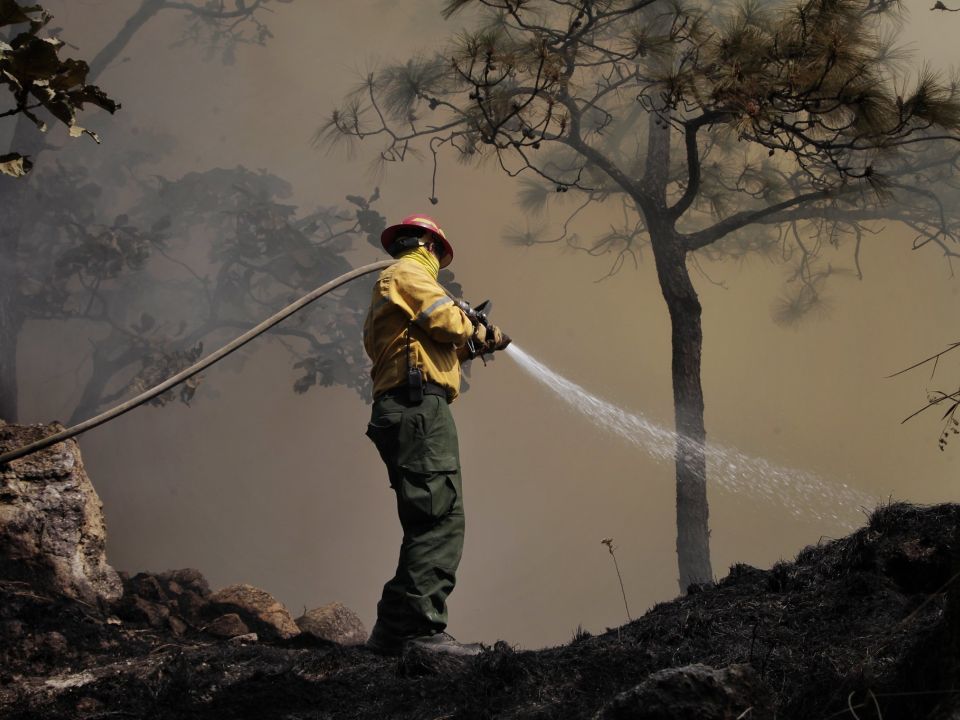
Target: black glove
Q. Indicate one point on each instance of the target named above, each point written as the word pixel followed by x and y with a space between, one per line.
pixel 496 339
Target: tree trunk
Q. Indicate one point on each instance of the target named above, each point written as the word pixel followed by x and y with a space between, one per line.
pixel 693 534
pixel 92 392
pixel 103 372
pixel 110 51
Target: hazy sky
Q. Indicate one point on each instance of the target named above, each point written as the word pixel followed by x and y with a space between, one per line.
pixel 259 485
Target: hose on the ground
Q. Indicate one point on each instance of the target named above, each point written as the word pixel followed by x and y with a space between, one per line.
pixel 195 368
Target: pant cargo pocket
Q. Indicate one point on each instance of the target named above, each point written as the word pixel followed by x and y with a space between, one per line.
pixel 425 498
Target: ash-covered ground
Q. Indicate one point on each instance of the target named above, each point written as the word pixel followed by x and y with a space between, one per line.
pixel 861 627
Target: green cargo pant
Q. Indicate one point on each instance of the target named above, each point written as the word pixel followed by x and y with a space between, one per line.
pixel 418 444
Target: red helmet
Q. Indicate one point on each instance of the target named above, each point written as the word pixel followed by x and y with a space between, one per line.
pixel 422 222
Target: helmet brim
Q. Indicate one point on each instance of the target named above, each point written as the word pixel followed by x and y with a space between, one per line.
pixel 390 234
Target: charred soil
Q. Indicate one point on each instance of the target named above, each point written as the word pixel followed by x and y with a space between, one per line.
pixel 862 627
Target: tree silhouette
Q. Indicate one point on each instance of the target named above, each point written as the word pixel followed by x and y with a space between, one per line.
pixel 192 263
pixel 715 129
pixel 156 269
pixel 213 23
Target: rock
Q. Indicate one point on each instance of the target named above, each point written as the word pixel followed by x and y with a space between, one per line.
pixel 257 608
pixel 228 626
pixel 52 531
pixel 177 626
pixel 187 581
pixel 143 612
pixel 243 639
pixel 174 599
pixel 693 691
pixel 334 622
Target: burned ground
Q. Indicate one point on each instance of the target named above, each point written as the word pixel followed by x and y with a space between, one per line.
pixel 865 626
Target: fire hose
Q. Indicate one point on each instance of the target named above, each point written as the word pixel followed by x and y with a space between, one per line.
pixel 197 367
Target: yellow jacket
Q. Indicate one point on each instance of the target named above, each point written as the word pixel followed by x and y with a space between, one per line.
pixel 406 291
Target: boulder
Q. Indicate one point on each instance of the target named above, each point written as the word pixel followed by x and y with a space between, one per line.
pixel 143 612
pixel 261 612
pixel 52 532
pixel 334 622
pixel 228 626
pixel 693 691
pixel 174 599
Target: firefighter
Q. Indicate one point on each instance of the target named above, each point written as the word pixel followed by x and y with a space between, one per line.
pixel 416 336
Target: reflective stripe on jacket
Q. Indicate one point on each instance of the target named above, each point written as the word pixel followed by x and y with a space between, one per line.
pixel 405 291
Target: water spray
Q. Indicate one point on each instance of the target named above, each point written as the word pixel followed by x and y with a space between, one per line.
pixel 802 492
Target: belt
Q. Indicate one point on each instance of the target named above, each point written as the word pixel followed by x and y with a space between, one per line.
pixel 401 391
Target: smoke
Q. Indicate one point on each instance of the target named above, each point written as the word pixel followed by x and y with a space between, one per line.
pixel 254 483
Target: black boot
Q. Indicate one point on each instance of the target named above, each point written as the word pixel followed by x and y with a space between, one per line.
pixel 445 643
pixel 384 643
